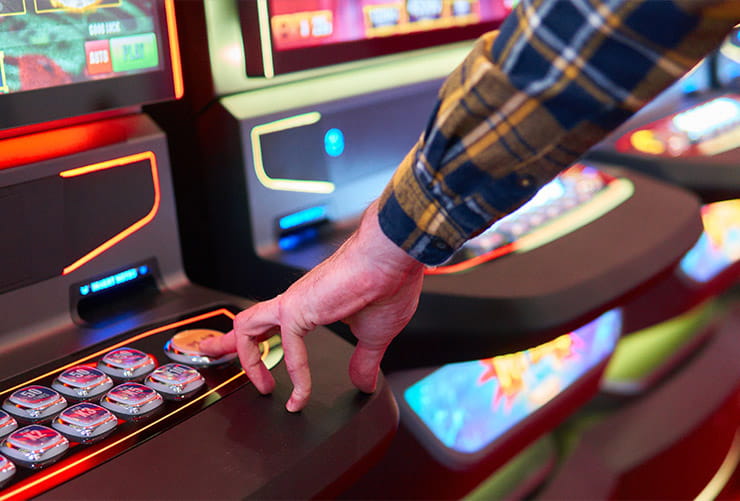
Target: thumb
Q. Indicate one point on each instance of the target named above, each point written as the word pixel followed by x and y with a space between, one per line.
pixel 365 365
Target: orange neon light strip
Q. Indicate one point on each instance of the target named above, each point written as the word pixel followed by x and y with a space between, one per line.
pixel 174 49
pixel 472 262
pixel 174 325
pixel 118 162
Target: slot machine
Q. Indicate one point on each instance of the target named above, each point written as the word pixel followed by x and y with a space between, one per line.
pixel 287 157
pixel 688 136
pixel 290 129
pixel 103 391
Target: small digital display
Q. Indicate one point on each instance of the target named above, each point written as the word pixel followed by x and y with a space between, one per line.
pixel 719 245
pixel 310 23
pixel 466 406
pixel 114 280
pixel 51 43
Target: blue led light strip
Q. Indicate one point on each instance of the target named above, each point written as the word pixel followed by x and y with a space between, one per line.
pixel 303 217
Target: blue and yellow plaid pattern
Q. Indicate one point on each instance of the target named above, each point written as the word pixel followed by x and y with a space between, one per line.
pixel 530 99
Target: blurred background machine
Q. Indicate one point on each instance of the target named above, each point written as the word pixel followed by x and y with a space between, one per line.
pixel 690 134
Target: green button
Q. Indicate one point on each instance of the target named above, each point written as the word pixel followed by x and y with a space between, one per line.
pixel 134 52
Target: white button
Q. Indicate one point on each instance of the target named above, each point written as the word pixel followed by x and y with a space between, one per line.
pixel 34 403
pixel 85 422
pixel 132 400
pixel 175 380
pixel 82 382
pixel 34 446
pixel 126 363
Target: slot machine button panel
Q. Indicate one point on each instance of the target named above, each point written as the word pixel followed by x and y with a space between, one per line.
pixel 118 419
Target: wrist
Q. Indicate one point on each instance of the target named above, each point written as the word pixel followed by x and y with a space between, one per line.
pixel 387 255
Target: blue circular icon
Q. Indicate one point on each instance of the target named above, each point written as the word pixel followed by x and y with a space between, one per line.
pixel 334 142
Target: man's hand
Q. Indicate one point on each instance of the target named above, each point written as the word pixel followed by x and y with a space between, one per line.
pixel 369 283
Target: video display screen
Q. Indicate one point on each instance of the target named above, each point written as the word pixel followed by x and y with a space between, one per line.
pixel 718 247
pixel 49 43
pixel 466 406
pixel 282 36
pixel 67 58
pixel 706 129
pixel 308 23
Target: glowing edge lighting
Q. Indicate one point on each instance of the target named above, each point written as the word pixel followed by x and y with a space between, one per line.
pixel 4 88
pixel 293 122
pixel 724 473
pixel 616 193
pixel 177 79
pixel 265 39
pixel 266 349
pixel 118 162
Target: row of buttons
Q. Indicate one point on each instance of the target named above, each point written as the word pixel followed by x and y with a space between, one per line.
pixel 36 445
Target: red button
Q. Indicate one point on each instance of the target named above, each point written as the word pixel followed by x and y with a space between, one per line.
pixel 97 54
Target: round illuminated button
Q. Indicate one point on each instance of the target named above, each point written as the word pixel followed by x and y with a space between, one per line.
pixel 132 400
pixel 34 403
pixel 7 469
pixel 85 422
pixel 127 363
pixel 175 381
pixel 7 424
pixel 184 347
pixel 82 382
pixel 34 446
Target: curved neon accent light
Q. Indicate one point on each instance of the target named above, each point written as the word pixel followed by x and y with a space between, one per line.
pixel 724 473
pixel 259 166
pixel 109 164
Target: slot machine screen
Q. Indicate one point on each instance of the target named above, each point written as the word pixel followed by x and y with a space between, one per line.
pixel 718 248
pixel 62 58
pixel 462 408
pixel 282 36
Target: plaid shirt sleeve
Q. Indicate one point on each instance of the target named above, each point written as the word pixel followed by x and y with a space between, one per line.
pixel 529 100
